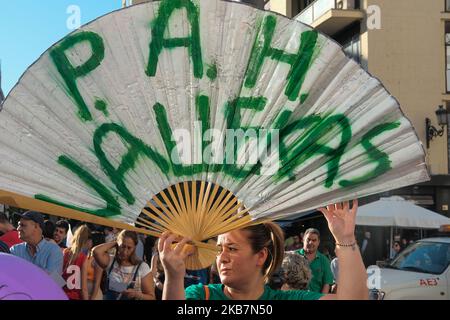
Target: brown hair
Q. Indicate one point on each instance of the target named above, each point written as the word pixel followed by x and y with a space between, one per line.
pixel 133 236
pixel 313 231
pixel 268 235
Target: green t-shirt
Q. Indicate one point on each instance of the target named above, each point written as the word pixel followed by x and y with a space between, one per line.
pixel 197 292
pixel 321 271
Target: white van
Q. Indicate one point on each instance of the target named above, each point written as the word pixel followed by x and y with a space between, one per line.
pixel 421 271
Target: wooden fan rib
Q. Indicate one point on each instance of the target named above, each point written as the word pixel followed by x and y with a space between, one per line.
pixel 231 220
pixel 201 196
pixel 200 207
pixel 206 197
pixel 203 212
pixel 173 221
pixel 150 224
pixel 170 228
pixel 234 212
pixel 218 200
pixel 189 211
pixel 212 204
pixel 187 197
pixel 211 198
pixel 180 197
pixel 227 227
pixel 194 209
pixel 204 245
pixel 184 214
pixel 169 213
pixel 146 231
pixel 225 224
pixel 164 214
pixel 148 227
pixel 175 200
pixel 152 216
pixel 224 202
pixel 160 215
pixel 194 195
pixel 227 208
pixel 214 212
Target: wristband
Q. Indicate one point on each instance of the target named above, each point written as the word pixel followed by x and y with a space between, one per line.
pixel 346 245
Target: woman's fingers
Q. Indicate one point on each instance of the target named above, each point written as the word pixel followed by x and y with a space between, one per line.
pixel 330 208
pixel 346 206
pixel 354 208
pixel 168 242
pixel 162 240
pixel 165 244
pixel 179 247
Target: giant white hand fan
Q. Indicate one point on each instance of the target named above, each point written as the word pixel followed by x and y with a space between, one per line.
pixel 199 117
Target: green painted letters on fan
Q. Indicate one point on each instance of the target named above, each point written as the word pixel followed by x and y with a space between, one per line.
pixel 380 158
pixel 136 147
pixel 309 144
pixel 71 73
pixel 299 61
pixel 192 42
pixel 112 205
pixel 312 133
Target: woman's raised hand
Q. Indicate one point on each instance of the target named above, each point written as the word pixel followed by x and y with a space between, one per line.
pixel 341 221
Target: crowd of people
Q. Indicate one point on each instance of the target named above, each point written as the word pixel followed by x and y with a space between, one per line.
pixel 368 247
pixel 80 264
pixel 94 263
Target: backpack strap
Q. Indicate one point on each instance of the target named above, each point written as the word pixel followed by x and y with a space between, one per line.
pixel 105 276
pixel 136 272
pixel 206 292
pixel 111 267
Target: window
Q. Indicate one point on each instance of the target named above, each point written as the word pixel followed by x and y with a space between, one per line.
pixel 424 257
pixel 447 5
pixel 352 48
pixel 300 5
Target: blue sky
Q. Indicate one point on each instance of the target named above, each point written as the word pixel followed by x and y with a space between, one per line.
pixel 29 27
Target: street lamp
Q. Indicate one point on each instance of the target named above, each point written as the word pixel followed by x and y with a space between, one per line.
pixel 431 130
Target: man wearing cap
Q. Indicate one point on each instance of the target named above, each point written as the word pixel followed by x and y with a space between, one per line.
pixel 35 248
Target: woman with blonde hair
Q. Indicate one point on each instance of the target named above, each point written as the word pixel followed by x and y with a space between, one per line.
pixel 75 266
pixel 94 272
pixel 128 277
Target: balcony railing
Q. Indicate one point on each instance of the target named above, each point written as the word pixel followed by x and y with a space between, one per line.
pixel 319 7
